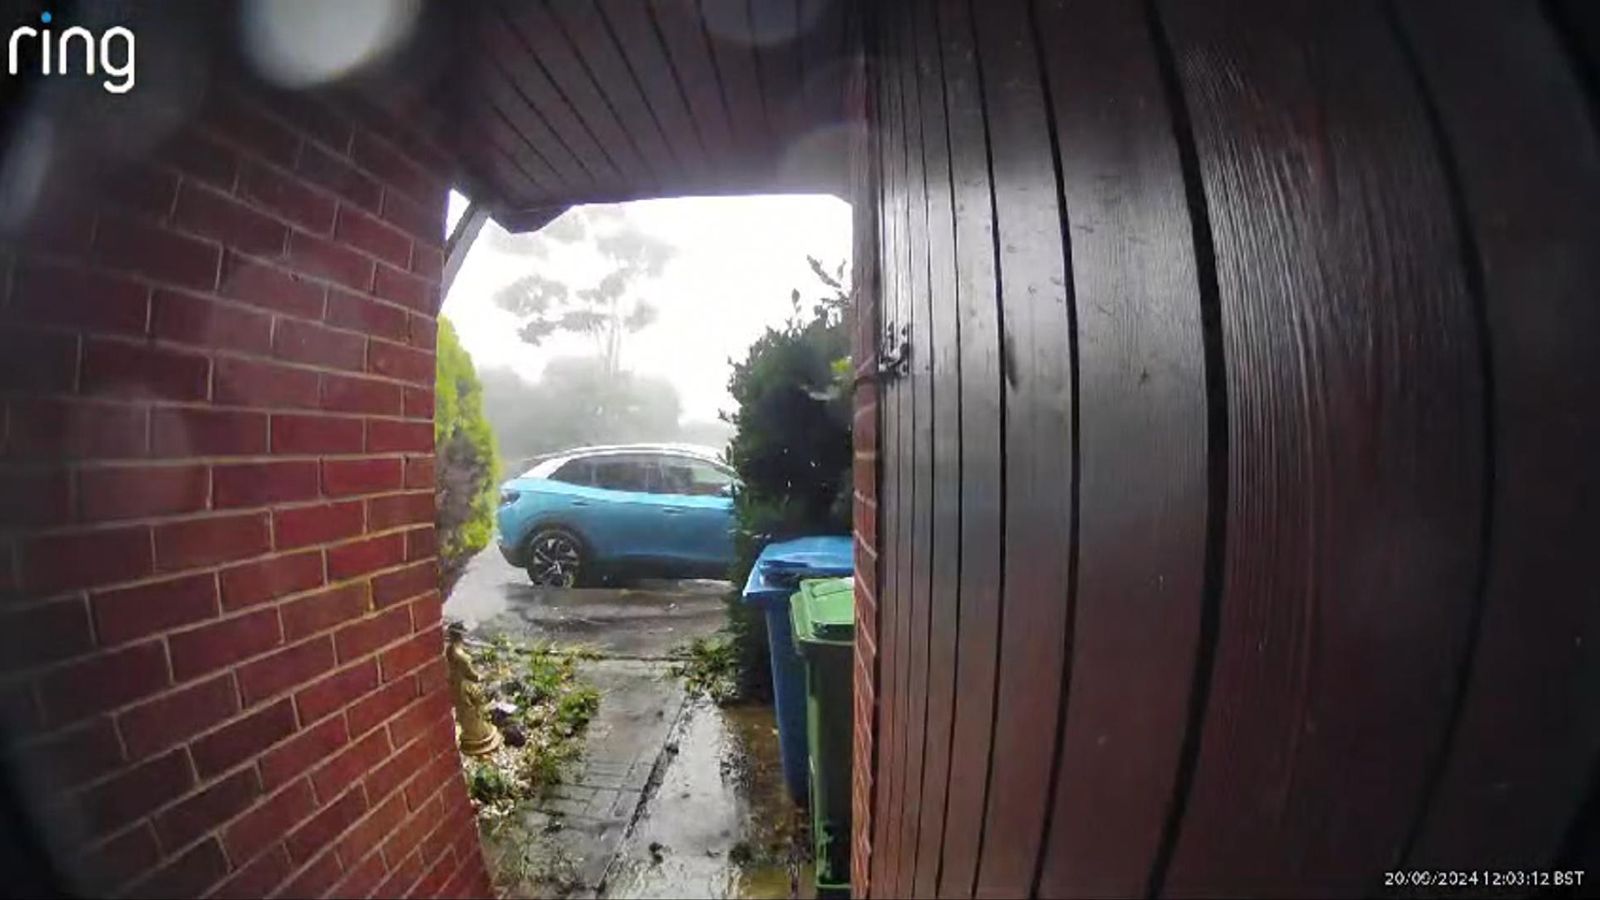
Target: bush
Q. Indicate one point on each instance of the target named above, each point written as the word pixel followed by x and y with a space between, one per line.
pixel 792 450
pixel 468 468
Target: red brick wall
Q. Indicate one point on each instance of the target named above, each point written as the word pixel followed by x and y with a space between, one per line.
pixel 221 638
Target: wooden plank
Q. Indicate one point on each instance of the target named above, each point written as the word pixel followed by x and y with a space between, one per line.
pixel 982 420
pixel 631 27
pixel 679 28
pixel 1515 123
pixel 575 88
pixel 1356 470
pixel 919 385
pixel 944 468
pixel 774 31
pixel 823 56
pixel 539 112
pixel 583 26
pixel 726 25
pixel 1039 471
pixel 1142 444
pixel 890 602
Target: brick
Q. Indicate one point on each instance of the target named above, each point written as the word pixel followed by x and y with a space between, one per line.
pixel 269 821
pixel 193 817
pixel 140 188
pixel 405 289
pixel 38 361
pixel 35 497
pixel 400 509
pixel 320 830
pixel 187 319
pixel 326 259
pixel 403 584
pixel 360 638
pixel 397 661
pixel 432 675
pixel 349 765
pixel 287 197
pixel 235 119
pixel 424 221
pixel 346 477
pixel 134 492
pixel 138 791
pixel 371 711
pixel 314 345
pixel 210 647
pixel 323 610
pixel 387 778
pixel 127 614
pixel 69 758
pixel 361 557
pixel 424 332
pixel 360 395
pixel 156 253
pixel 358 313
pixel 187 876
pixel 269 287
pixel 312 434
pixel 376 237
pixel 427 783
pixel 306 749
pixel 262 484
pixel 420 472
pixel 313 118
pixel 120 859
pixel 436 875
pixel 177 716
pixel 232 744
pixel 380 821
pixel 315 879
pixel 427 261
pixel 176 433
pixel 202 158
pixel 415 721
pixel 387 436
pixel 394 167
pixel 419 403
pixel 69 430
pixel 96 302
pixel 402 876
pixel 246 383
pixel 287 668
pixel 211 540
pixel 307 525
pixel 258 878
pixel 410 834
pixel 234 224
pixel 85 559
pixel 363 878
pixel 258 581
pixel 328 171
pixel 428 609
pixel 141 370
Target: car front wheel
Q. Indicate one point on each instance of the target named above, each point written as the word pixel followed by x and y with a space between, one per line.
pixel 555 558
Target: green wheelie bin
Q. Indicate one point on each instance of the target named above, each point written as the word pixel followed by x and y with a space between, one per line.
pixel 823 614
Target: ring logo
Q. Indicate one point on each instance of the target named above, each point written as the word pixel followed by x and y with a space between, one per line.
pixel 56 52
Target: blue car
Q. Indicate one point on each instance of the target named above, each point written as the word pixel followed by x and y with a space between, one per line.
pixel 644 509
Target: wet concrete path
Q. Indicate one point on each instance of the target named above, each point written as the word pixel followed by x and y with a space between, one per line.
pixel 673 798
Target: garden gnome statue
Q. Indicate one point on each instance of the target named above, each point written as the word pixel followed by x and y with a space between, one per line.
pixel 479 737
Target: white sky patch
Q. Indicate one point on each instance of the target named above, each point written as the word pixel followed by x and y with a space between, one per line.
pixel 737 260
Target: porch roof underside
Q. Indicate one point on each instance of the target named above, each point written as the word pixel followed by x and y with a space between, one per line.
pixel 543 105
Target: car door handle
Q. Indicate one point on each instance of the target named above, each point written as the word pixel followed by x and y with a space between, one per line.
pixel 577 503
pixel 672 510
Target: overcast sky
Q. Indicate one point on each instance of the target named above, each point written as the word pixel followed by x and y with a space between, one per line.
pixel 737 260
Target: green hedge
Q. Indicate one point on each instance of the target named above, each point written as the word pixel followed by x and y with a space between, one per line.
pixel 467 464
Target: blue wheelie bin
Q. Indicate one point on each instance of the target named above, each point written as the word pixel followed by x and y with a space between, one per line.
pixel 773 580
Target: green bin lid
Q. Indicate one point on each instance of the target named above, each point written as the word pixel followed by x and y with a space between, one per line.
pixel 824 611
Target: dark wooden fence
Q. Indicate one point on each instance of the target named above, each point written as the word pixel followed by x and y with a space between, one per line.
pixel 1237 523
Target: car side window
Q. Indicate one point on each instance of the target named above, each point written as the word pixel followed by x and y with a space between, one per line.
pixel 694 477
pixel 577 471
pixel 625 473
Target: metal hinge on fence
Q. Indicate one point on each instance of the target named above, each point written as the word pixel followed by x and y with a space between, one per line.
pixel 894 359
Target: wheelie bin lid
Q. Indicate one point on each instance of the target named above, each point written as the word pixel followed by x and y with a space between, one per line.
pixel 781 566
pixel 824 611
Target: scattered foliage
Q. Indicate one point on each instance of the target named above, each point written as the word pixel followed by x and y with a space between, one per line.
pixel 791 448
pixel 538 701
pixel 468 466
pixel 709 667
